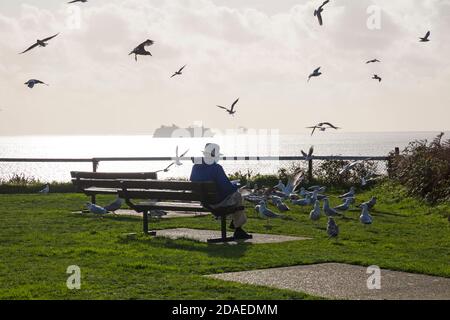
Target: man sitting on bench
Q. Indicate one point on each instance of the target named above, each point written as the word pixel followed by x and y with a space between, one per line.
pixel 228 194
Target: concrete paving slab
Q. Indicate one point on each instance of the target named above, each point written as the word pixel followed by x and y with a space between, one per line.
pixel 204 235
pixel 344 281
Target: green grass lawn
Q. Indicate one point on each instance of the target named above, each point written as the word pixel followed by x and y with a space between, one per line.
pixel 40 238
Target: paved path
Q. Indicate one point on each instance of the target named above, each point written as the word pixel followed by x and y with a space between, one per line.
pixel 344 281
pixel 204 235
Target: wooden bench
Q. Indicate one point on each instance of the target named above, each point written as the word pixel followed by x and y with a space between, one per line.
pixel 93 183
pixel 178 196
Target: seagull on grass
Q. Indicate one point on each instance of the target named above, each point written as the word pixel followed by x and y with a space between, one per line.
pixel 332 228
pixel 345 206
pixel 318 12
pixel 330 212
pixel 314 215
pixel 114 206
pixel 93 208
pixel 365 217
pixel 315 73
pixel 140 49
pixel 266 213
pixel 230 111
pixel 46 189
pixel 370 204
pixel 426 38
pixel 40 43
pixel 179 72
pixel 349 194
pixel 31 83
pixel 293 182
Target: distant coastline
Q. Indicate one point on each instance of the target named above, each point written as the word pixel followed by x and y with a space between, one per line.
pixel 174 131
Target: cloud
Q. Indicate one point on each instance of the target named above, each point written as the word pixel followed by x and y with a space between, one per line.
pixel 231 50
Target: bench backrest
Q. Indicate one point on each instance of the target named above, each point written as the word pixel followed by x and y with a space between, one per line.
pixel 169 190
pixel 113 175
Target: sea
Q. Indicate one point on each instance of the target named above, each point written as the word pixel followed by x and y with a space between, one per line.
pixel 265 143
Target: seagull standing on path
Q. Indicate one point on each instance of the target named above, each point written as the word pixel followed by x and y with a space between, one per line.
pixel 140 49
pixel 31 83
pixel 426 38
pixel 179 72
pixel 377 77
pixel 230 111
pixel 315 73
pixel 40 43
pixel 318 12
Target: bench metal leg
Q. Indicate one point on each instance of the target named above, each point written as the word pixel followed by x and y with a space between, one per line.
pixel 223 229
pixel 145 224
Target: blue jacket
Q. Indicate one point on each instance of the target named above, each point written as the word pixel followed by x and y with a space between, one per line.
pixel 214 172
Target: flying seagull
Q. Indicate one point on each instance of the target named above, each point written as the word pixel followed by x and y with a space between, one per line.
pixel 318 12
pixel 322 127
pixel 308 156
pixel 373 61
pixel 376 77
pixel 78 1
pixel 40 43
pixel 140 49
pixel 178 157
pixel 31 83
pixel 166 169
pixel 426 38
pixel 230 111
pixel 315 73
pixel 179 72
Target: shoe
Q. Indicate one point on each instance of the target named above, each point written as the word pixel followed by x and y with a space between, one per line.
pixel 240 234
pixel 231 226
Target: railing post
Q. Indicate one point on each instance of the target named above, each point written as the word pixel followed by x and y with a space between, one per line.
pixel 94 169
pixel 310 170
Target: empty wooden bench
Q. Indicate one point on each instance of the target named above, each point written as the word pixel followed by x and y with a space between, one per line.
pixel 94 183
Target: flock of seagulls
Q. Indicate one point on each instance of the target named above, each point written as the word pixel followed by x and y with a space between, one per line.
pixel 280 194
pixel 141 50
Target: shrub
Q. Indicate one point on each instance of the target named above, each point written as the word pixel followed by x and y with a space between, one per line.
pixel 424 169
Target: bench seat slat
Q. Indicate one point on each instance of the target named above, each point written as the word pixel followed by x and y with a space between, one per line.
pixel 113 175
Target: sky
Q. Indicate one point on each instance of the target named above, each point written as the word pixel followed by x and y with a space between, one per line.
pixel 260 51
